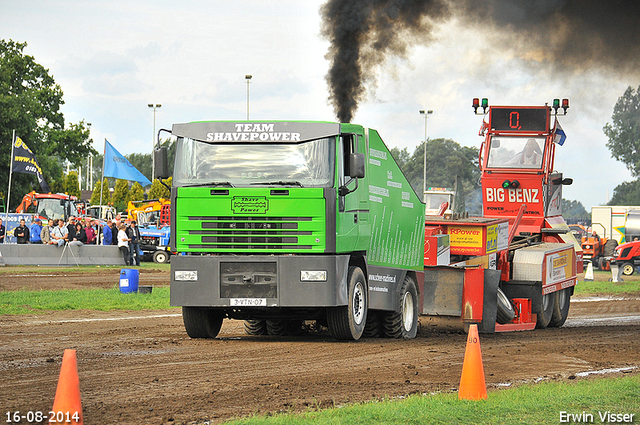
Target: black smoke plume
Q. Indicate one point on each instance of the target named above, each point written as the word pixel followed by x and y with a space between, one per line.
pixel 567 36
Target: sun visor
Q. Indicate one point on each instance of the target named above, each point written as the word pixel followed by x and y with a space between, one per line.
pixel 255 132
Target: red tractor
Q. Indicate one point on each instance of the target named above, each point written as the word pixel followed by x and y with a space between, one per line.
pixel 627 256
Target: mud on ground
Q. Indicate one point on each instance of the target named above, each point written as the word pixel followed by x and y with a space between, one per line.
pixel 141 368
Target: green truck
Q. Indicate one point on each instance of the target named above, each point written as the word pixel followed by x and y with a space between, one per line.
pixel 281 222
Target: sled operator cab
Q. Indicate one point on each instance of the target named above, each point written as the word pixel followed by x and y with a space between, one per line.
pixel 518 176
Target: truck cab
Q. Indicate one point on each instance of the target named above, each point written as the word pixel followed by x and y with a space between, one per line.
pixel 285 221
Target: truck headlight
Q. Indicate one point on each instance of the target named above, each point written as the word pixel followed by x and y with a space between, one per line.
pixel 313 275
pixel 185 275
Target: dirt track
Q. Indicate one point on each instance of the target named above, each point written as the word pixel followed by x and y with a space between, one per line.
pixel 139 368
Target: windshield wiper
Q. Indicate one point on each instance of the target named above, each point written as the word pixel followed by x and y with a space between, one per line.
pixel 280 183
pixel 227 184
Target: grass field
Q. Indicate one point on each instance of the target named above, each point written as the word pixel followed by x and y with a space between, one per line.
pixel 543 403
pixel 30 302
pixel 601 285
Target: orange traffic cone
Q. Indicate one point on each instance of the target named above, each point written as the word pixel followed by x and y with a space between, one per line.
pixel 472 384
pixel 67 407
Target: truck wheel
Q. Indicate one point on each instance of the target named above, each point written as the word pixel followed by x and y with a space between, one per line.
pixel 255 327
pixel 403 323
pixel 374 323
pixel 546 310
pixel 505 313
pixel 561 310
pixel 160 257
pixel 627 269
pixel 202 322
pixel 348 322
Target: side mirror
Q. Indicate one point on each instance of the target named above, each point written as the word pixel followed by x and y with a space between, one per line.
pixel 356 165
pixel 162 163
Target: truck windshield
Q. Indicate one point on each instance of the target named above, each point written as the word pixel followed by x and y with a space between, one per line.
pixel 516 152
pixel 307 164
pixel 51 208
pixel 434 200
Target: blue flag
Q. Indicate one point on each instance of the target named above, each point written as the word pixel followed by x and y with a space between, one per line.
pixel 116 165
pixel 560 135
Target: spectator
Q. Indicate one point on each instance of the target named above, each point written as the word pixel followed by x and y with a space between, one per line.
pixel 59 234
pixel 71 228
pixel 107 238
pixel 114 232
pixel 133 232
pixel 90 232
pixel 21 233
pixel 45 233
pixel 2 230
pixel 123 244
pixel 34 232
pixel 80 236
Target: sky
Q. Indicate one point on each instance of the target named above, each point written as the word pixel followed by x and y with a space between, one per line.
pixel 112 59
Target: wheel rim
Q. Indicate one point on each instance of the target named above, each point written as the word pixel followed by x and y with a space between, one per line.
pixel 358 303
pixel 407 311
pixel 627 269
pixel 546 300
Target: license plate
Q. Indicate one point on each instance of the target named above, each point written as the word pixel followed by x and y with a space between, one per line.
pixel 249 302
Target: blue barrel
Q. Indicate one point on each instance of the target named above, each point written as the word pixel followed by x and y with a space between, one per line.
pixel 129 280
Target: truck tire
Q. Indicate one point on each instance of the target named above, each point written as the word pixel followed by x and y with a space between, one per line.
pixel 348 322
pixel 546 310
pixel 505 313
pixel 403 324
pixel 610 248
pixel 561 308
pixel 283 327
pixel 373 327
pixel 160 257
pixel 202 322
pixel 255 327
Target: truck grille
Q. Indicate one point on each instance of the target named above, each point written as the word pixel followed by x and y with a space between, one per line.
pixel 251 233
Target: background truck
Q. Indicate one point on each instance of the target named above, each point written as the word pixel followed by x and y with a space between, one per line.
pixel 282 222
pixel 621 223
pixel 154 219
pixel 49 205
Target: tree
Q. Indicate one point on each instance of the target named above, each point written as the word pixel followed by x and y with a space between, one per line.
pixel 158 190
pixel 446 161
pixel 624 132
pixel 120 194
pixel 71 184
pixel 30 103
pixel 626 193
pixel 574 210
pixel 95 196
pixel 136 193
